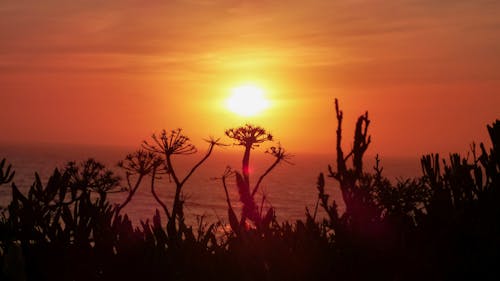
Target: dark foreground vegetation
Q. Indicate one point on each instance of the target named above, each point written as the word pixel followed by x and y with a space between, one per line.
pixel 444 225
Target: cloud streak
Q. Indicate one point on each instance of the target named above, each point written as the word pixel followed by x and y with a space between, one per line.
pixel 44 37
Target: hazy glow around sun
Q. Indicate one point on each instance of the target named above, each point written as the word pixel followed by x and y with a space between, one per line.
pixel 247 100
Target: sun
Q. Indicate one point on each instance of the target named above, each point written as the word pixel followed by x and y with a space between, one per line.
pixel 247 100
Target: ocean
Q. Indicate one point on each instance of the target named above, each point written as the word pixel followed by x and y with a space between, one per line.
pixel 290 188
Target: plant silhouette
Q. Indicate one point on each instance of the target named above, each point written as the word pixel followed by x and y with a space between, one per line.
pixel 7 175
pixel 164 147
pixel 444 225
pixel 250 137
pixel 138 164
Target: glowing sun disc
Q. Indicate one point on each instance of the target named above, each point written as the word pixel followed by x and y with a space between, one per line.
pixel 247 100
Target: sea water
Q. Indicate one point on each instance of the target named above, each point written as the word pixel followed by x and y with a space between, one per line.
pixel 289 188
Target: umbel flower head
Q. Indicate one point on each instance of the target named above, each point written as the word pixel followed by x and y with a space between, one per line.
pixel 140 162
pixel 249 135
pixel 169 144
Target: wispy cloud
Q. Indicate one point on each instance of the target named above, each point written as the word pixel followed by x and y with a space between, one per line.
pixel 138 36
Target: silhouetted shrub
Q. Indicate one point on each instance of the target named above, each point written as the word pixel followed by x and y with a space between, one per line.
pixel 442 226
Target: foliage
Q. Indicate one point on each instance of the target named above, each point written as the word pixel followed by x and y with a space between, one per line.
pixel 7 175
pixel 444 225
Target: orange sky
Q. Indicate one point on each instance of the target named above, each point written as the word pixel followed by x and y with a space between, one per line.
pixel 113 72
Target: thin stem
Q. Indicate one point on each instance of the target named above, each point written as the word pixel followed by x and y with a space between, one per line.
pixel 264 175
pixel 341 166
pixel 157 198
pixel 227 193
pixel 210 149
pixel 316 209
pixel 131 193
pixel 246 165
pixel 170 169
pixel 262 205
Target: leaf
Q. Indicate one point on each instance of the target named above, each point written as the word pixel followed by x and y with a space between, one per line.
pixel 67 217
pixel 268 218
pixel 320 184
pixel 233 220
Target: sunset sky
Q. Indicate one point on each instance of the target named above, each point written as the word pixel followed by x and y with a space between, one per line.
pixel 113 72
